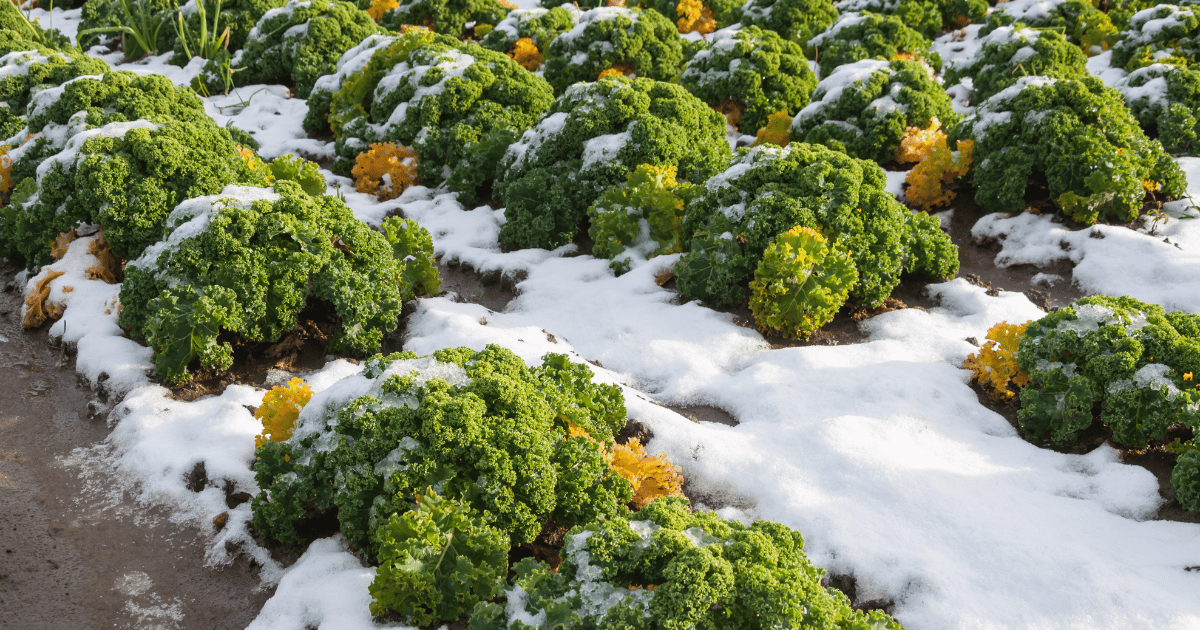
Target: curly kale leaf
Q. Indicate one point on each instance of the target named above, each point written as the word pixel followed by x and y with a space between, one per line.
pixel 436 562
pixel 412 247
pixel 800 283
pixel 931 253
pixel 1186 480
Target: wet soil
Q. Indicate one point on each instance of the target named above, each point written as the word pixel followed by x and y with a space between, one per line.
pixel 75 552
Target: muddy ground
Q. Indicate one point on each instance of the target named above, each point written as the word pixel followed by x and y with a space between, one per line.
pixel 76 552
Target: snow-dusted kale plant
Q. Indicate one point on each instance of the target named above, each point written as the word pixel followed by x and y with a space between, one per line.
pixel 1080 22
pixel 27 66
pixel 671 567
pixel 540 25
pixel 298 43
pixel 589 140
pixel 768 190
pixel 863 108
pixel 757 70
pixel 1133 360
pixel 458 104
pixel 1162 33
pixel 797 20
pixel 863 35
pixel 1008 53
pixel 627 41
pixel 1079 135
pixel 1165 99
pixel 927 17
pixel 445 16
pixel 121 151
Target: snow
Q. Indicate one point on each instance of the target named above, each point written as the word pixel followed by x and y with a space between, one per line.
pixel 603 149
pixel 326 589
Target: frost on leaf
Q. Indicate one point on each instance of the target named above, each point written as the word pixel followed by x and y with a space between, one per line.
pixel 995 365
pixel 279 410
pixel 385 170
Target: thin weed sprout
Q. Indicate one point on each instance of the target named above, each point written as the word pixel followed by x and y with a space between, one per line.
pixel 141 23
pixel 207 43
pixel 39 34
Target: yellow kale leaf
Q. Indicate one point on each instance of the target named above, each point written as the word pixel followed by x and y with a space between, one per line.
pixel 918 143
pixel 385 170
pixel 939 166
pixel 6 183
pixel 995 365
pixel 694 17
pixel 527 55
pixel 651 476
pixel 778 130
pixel 620 68
pixel 379 7
pixel 279 410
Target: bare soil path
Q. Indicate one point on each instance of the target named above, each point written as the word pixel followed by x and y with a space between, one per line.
pixel 75 552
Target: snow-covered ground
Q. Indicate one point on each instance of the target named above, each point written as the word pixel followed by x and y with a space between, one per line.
pixel 878 452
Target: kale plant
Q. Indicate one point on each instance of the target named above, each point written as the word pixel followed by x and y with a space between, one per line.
pixel 247 261
pixel 856 36
pixel 1079 135
pixel 452 102
pixel 756 69
pixel 589 140
pixel 768 190
pixel 1008 53
pixel 864 108
pixel 675 568
pixel 627 41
